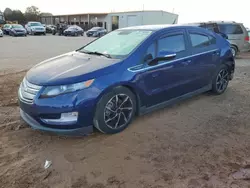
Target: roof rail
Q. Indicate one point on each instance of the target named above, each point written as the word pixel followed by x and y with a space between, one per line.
pixel 223 21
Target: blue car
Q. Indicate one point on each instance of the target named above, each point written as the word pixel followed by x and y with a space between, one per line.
pixel 17 30
pixel 128 72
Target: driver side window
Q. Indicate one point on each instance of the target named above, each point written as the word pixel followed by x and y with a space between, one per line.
pixel 174 43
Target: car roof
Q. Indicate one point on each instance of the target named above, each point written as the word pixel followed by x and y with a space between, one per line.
pixel 159 27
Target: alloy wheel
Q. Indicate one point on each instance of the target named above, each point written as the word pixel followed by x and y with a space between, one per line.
pixel 222 80
pixel 118 111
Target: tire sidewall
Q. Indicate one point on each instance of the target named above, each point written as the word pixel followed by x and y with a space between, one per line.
pixel 99 122
pixel 234 50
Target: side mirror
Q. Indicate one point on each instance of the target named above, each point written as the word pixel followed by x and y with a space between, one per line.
pixel 163 56
pixel 148 57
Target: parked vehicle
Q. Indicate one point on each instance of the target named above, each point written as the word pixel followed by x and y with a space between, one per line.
pixel 235 33
pixel 6 29
pixel 60 28
pixel 1 33
pixel 127 72
pixel 96 32
pixel 17 30
pixel 73 31
pixel 248 31
pixel 50 28
pixel 34 28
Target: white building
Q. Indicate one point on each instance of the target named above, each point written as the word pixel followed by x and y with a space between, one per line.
pixel 112 21
pixel 127 19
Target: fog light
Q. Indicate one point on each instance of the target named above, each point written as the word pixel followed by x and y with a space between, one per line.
pixel 65 119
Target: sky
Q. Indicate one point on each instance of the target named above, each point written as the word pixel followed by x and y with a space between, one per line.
pixel 188 10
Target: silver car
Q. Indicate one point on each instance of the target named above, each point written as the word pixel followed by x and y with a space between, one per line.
pixel 1 33
pixel 237 36
pixel 248 34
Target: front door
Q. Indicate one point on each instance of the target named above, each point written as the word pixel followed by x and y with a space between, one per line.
pixel 167 79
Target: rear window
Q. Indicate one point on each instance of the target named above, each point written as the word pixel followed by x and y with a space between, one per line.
pixel 230 28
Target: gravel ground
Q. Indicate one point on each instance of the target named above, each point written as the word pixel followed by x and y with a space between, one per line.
pixel 202 142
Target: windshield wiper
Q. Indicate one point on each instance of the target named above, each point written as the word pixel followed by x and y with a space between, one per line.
pixel 96 53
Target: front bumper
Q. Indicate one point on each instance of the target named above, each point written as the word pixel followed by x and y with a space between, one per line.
pixel 91 34
pixel 83 102
pixel 70 132
pixel 38 32
pixel 20 34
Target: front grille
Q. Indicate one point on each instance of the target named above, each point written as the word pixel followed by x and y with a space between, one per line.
pixel 28 91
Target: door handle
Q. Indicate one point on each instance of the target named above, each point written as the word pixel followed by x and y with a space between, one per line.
pixel 186 62
pixel 216 53
pixel 155 74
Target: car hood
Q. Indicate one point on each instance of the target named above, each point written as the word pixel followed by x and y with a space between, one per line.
pixel 37 27
pixel 71 68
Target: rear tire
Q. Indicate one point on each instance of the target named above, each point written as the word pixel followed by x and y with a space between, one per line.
pixel 234 51
pixel 115 111
pixel 220 80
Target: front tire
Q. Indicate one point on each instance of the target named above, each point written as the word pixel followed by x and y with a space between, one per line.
pixel 115 111
pixel 221 80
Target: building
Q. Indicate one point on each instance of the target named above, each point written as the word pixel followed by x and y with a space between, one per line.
pixel 2 20
pixel 112 21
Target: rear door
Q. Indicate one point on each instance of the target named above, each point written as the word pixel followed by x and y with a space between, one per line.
pixel 205 56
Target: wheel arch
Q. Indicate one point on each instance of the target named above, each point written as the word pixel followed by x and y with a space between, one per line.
pixel 235 45
pixel 128 86
pixel 230 64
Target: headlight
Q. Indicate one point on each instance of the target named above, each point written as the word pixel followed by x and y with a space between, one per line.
pixel 52 91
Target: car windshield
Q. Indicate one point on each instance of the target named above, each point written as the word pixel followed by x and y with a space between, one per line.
pixel 95 28
pixel 117 44
pixel 7 26
pixel 17 26
pixel 35 24
pixel 249 33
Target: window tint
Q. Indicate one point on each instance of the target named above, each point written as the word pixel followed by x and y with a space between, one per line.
pixel 230 28
pixel 199 40
pixel 174 43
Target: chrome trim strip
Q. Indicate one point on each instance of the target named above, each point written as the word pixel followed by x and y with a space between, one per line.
pixel 28 91
pixel 162 64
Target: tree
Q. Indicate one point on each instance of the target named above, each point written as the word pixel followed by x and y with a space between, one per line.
pixel 32 13
pixel 14 15
pixel 7 13
pixel 17 15
pixel 45 14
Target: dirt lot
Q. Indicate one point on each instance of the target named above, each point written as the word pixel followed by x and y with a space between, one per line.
pixel 199 143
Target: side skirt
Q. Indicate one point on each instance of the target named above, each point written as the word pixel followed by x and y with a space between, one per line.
pixel 144 110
